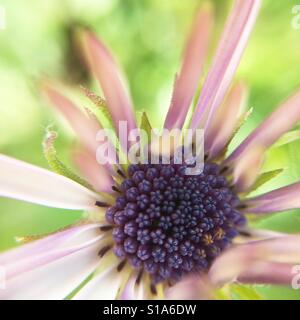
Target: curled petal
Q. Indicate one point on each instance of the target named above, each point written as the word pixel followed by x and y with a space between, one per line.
pixel 284 118
pixel 27 182
pixel 110 79
pixel 282 199
pixel 52 267
pixel 86 128
pixel 225 121
pixel 226 61
pixel 236 261
pixel 192 66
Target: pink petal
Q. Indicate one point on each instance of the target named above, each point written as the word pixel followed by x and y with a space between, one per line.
pixel 248 168
pixel 95 173
pixel 193 287
pixel 225 121
pixel 236 261
pixel 86 128
pixel 284 118
pixel 226 61
pixel 27 182
pixel 192 66
pixel 282 199
pixel 51 271
pixel 268 273
pixel 110 79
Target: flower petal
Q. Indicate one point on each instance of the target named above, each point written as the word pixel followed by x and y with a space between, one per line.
pixel 268 273
pixel 192 66
pixel 284 118
pixel 43 270
pixel 132 291
pixel 110 79
pixel 247 169
pixel 95 173
pixel 47 243
pixel 227 58
pixel 236 261
pixel 33 259
pixel 27 182
pixel 225 121
pixel 83 126
pixel 55 280
pixel 282 199
pixel 104 286
pixel 195 287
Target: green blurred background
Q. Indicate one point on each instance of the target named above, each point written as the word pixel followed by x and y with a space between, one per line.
pixel 147 37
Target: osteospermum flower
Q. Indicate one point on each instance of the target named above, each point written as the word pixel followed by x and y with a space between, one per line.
pixel 150 226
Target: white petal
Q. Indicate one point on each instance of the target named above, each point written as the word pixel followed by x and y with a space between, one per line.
pixel 55 280
pixel 132 291
pixel 72 236
pixel 105 286
pixel 51 267
pixel 27 182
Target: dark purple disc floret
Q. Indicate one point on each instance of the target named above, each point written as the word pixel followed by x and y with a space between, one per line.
pixel 170 224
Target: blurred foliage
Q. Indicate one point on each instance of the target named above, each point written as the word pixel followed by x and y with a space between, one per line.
pixel 147 38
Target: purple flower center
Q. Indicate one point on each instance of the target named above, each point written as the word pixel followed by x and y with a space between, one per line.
pixel 170 224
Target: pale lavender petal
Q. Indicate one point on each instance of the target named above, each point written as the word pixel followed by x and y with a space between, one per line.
pixel 110 79
pixel 55 280
pixel 284 118
pixel 225 121
pixel 282 199
pixel 27 182
pixel 47 243
pixel 86 128
pixel 192 66
pixel 51 267
pixel 226 61
pixel 31 260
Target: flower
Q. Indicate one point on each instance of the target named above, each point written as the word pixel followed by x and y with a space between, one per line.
pixel 151 226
